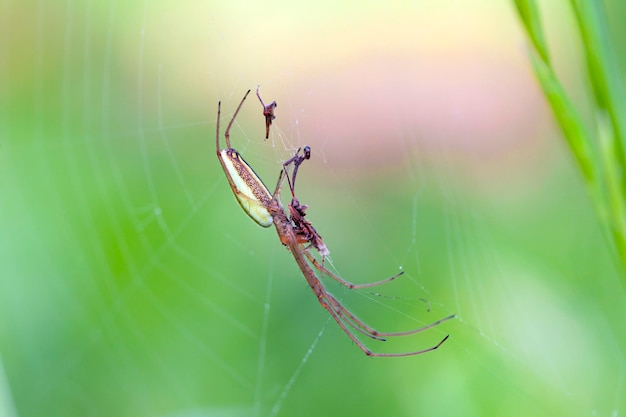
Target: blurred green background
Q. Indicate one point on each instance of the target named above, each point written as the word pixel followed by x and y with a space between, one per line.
pixel 132 284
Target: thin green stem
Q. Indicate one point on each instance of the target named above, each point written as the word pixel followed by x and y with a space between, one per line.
pixel 599 151
pixel 604 75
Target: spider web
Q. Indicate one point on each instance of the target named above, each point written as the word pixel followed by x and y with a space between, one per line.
pixel 132 283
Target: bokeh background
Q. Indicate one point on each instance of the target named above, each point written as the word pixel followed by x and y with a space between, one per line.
pixel 131 283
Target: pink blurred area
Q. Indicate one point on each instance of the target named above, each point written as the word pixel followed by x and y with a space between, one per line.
pixel 372 82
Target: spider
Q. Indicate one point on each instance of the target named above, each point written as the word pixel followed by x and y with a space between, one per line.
pixel 268 112
pixel 294 232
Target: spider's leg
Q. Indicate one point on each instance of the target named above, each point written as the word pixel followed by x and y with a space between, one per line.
pixel 352 320
pixel 279 185
pixel 232 120
pixel 328 302
pixel 331 305
pixel 418 330
pixel 348 284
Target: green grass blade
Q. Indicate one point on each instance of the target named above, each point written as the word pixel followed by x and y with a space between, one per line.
pixel 610 99
pixel 529 15
pixel 603 74
pixel 567 116
pixel 599 152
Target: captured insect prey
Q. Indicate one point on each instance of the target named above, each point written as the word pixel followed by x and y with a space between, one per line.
pixel 304 229
pixel 268 112
pixel 298 234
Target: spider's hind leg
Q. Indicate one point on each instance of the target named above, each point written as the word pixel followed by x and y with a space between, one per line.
pixel 348 284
